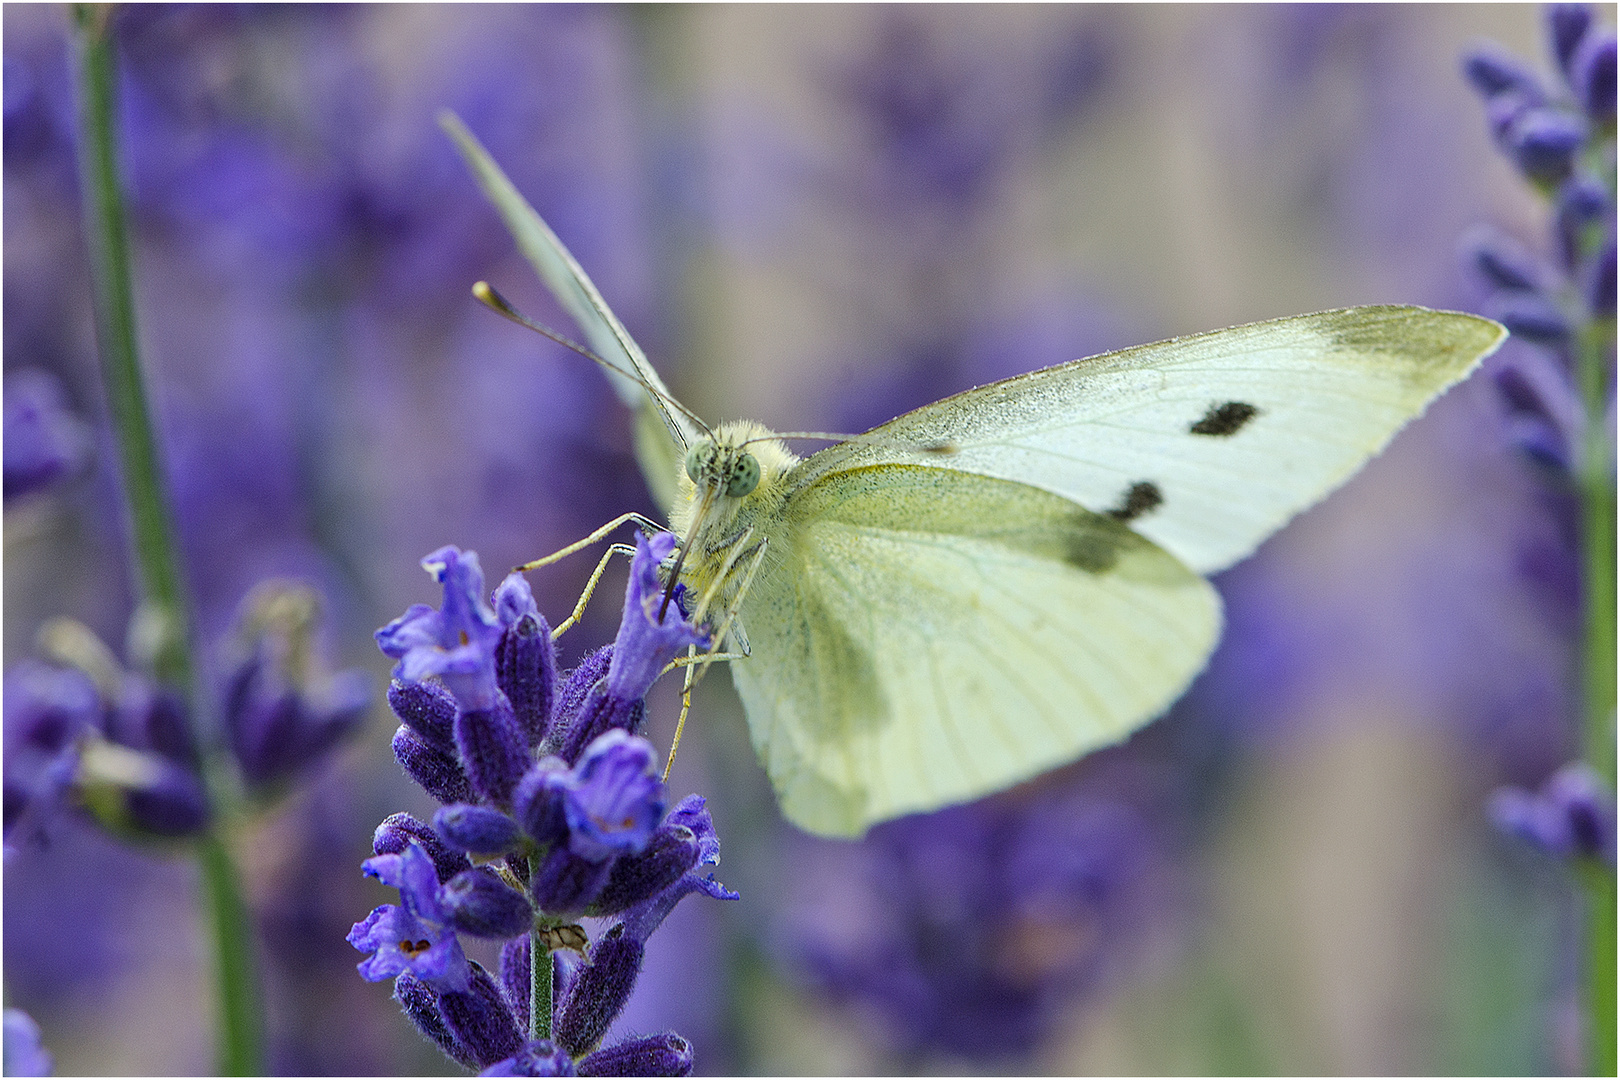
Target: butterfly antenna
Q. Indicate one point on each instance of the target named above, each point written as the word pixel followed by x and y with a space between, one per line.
pixel 485 294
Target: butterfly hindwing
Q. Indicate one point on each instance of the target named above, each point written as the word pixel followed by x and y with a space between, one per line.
pixel 1205 444
pixel 925 636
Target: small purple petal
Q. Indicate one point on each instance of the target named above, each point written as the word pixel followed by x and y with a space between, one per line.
pixel 1593 68
pixel 1493 71
pixel 525 663
pixel 420 1003
pixel 1567 25
pixel 1544 143
pixel 427 709
pixel 493 748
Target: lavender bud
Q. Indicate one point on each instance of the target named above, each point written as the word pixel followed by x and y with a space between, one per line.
pixel 1600 283
pixel 1534 319
pixel 480 1020
pixel 591 670
pixel 420 1003
pixel 599 992
pixel 539 1057
pixel 1494 72
pixel 672 852
pixel 525 663
pixel 655 1055
pixel 1593 68
pixel 538 802
pixel 601 712
pixel 515 977
pixel 493 749
pixel 1544 143
pixel 1581 200
pixel 481 904
pixel 440 775
pixel 427 709
pixel 477 829
pixel 398 830
pixel 1502 115
pixel 1501 260
pixel 1567 24
pixel 566 884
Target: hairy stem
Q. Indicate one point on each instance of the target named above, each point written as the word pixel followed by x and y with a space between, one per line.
pixel 539 985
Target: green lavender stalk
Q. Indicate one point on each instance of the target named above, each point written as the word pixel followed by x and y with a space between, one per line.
pixel 1595 360
pixel 163 604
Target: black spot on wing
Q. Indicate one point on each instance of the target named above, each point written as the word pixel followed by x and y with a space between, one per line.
pixel 1226 419
pixel 1140 498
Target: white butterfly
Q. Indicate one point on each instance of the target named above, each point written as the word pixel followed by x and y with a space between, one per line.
pixel 1002 581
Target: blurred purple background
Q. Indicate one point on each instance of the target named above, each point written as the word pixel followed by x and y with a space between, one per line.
pixel 819 217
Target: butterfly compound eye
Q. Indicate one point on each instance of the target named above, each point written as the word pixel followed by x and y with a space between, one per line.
pixel 698 460
pixel 744 476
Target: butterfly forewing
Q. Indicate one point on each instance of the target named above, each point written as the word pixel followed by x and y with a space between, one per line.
pixel 1204 444
pixel 568 283
pixel 923 637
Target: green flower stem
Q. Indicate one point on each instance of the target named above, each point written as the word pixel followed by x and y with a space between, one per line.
pixel 539 984
pixel 241 1048
pixel 163 609
pixel 1594 364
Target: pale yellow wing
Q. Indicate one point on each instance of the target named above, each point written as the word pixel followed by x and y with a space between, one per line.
pixel 921 637
pixel 1206 444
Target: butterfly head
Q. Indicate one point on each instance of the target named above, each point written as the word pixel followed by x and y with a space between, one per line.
pixel 730 482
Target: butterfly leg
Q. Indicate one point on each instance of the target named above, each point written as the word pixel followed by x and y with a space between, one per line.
pixel 640 519
pixel 696 665
pixel 590 587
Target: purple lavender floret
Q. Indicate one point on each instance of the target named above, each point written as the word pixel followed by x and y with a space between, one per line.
pixel 1572 815
pixel 615 800
pixel 457 642
pixel 47 709
pixel 582 831
pixel 650 635
pixel 282 713
pixel 413 936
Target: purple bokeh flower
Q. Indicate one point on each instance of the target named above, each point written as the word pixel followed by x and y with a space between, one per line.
pixel 25 1053
pixel 44 442
pixel 1572 814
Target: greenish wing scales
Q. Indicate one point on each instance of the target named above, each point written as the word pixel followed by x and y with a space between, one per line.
pixel 929 636
pixel 1207 444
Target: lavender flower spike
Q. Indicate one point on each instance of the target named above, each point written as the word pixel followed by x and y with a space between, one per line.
pixel 457 642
